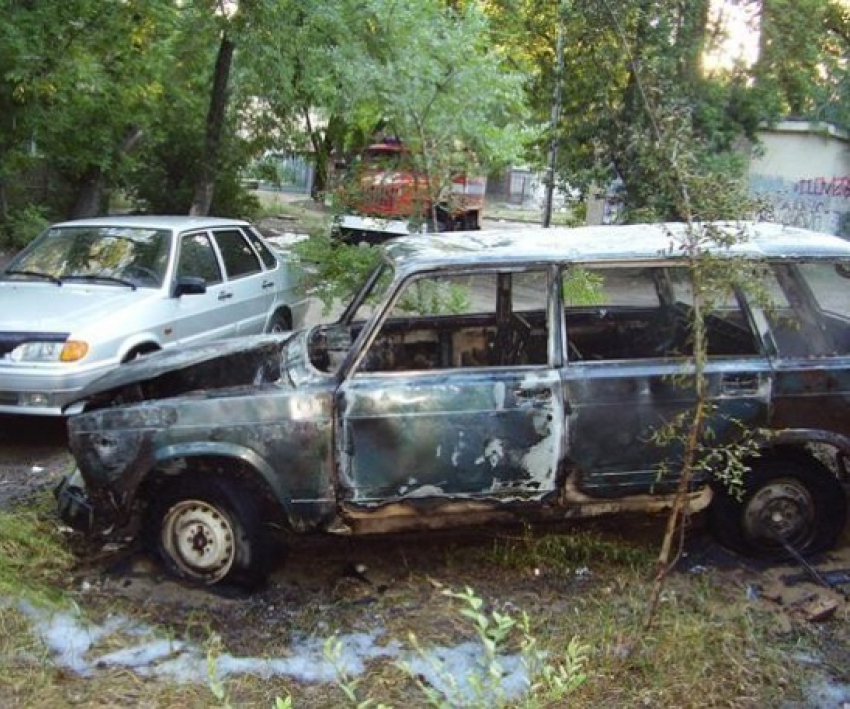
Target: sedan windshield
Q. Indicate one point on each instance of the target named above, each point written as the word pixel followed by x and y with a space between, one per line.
pixel 132 256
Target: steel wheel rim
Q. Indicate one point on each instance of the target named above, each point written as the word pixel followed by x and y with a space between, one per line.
pixel 783 509
pixel 200 539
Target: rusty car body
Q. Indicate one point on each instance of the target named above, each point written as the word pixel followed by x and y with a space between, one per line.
pixel 481 377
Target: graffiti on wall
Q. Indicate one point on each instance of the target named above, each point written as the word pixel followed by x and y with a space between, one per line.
pixel 819 203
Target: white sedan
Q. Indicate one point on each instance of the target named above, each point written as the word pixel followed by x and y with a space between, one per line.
pixel 87 295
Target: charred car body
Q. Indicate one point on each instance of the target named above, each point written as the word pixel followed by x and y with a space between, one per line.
pixel 479 377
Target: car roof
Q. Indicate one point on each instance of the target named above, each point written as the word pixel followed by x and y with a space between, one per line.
pixel 170 222
pixel 632 242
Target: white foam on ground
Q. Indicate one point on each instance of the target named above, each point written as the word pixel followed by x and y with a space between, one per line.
pixel 457 672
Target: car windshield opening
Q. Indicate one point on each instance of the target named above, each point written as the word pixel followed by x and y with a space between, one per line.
pixel 329 344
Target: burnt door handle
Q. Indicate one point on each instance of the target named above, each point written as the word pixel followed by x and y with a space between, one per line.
pixel 535 394
pixel 739 384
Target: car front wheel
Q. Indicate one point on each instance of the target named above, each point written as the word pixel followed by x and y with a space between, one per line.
pixel 787 501
pixel 210 530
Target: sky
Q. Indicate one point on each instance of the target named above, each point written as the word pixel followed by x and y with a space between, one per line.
pixel 737 22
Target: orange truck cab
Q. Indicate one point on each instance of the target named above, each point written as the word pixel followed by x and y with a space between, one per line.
pixel 388 197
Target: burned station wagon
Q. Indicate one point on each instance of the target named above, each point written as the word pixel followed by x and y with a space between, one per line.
pixel 480 377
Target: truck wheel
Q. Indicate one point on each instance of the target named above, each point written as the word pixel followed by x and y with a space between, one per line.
pixel 792 497
pixel 210 530
pixel 470 222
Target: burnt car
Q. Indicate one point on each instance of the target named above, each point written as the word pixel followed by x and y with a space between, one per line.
pixel 480 377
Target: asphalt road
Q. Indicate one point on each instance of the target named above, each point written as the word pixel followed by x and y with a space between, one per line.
pixel 33 455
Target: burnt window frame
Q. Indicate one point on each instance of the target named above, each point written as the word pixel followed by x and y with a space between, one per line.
pixel 665 291
pixel 371 330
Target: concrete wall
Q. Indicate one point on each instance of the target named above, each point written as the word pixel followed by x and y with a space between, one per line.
pixel 803 176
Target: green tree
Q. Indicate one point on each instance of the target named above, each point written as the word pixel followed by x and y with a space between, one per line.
pixel 604 118
pixel 80 77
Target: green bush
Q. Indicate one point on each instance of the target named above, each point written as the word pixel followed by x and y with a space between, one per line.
pixel 22 226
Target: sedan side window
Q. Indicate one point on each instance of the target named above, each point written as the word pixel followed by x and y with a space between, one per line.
pixel 198 259
pixel 268 257
pixel 239 258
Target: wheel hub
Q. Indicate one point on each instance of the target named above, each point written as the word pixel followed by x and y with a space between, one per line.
pixel 200 540
pixel 781 510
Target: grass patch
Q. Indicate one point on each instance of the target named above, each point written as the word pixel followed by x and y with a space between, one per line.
pixel 567 552
pixel 35 562
pixel 495 211
pixel 302 216
pixel 710 647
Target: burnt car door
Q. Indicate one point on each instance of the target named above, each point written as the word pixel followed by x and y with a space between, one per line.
pixel 628 376
pixel 810 328
pixel 455 393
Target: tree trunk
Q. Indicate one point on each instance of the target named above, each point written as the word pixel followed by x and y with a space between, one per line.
pixel 323 150
pixel 205 181
pixel 89 195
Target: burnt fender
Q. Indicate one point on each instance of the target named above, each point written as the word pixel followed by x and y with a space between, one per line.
pixel 800 436
pixel 232 451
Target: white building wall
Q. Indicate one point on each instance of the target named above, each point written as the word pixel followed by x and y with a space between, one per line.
pixel 802 174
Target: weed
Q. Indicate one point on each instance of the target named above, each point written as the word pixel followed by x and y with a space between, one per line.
pixel 348 685
pixel 542 679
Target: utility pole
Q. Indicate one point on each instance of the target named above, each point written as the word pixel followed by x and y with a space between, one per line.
pixel 553 123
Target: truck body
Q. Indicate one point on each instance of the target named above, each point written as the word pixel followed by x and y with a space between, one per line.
pixel 387 197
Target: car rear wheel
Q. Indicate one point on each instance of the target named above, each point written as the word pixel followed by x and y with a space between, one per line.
pixel 280 322
pixel 792 499
pixel 210 530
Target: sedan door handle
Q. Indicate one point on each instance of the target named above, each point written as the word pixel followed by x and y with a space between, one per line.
pixel 268 284
pixel 224 295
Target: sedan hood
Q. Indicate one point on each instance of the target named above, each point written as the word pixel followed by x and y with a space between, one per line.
pixel 46 307
pixel 212 365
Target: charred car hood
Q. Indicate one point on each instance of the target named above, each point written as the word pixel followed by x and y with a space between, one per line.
pixel 211 365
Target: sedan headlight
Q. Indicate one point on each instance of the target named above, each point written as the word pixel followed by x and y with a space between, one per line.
pixel 70 351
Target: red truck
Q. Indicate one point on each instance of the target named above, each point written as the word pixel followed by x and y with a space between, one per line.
pixel 386 197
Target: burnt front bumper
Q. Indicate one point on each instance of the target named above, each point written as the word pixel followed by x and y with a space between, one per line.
pixel 73 503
